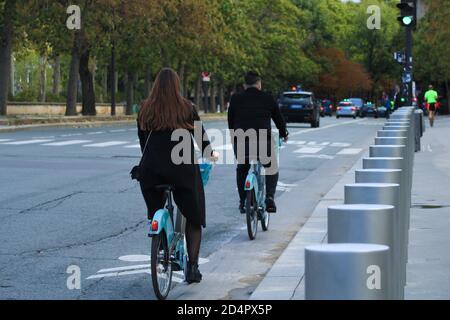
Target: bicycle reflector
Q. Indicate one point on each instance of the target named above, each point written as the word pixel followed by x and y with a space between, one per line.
pixel 154 225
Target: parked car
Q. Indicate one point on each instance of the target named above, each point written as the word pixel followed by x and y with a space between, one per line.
pixel 358 103
pixel 326 108
pixel 346 109
pixel 300 106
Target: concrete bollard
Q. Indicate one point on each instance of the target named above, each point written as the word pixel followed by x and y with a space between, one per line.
pixel 364 223
pixel 384 194
pixel 387 133
pixel 392 176
pixel 345 271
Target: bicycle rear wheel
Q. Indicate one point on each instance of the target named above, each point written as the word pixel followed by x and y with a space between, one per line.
pixel 161 266
pixel 251 210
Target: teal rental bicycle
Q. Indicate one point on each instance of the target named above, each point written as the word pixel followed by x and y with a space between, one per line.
pixel 168 252
pixel 255 203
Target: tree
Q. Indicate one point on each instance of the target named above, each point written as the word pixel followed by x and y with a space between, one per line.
pixel 7 21
pixel 432 47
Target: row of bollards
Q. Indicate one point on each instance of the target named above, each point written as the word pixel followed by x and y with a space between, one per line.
pixel 367 250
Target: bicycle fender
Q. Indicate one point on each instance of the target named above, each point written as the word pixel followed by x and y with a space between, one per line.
pixel 164 223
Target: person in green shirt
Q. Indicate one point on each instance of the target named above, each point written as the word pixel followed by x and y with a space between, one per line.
pixel 431 97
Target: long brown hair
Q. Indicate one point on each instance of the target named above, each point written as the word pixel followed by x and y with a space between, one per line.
pixel 166 108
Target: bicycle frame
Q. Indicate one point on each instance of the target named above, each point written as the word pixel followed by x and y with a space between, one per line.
pixel 254 182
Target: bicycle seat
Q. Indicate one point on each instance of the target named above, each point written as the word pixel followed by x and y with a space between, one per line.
pixel 164 187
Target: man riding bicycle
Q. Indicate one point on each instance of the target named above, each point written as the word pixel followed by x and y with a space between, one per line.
pixel 252 111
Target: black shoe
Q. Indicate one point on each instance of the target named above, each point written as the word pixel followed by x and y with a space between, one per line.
pixel 242 207
pixel 193 275
pixel 270 205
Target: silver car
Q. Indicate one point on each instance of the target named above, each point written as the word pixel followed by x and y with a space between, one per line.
pixel 346 109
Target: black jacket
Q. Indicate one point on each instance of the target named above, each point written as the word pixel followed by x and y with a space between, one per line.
pixel 254 109
pixel 185 178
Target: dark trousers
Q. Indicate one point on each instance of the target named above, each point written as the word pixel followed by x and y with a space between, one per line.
pixel 241 174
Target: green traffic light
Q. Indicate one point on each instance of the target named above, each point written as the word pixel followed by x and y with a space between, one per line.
pixel 407 20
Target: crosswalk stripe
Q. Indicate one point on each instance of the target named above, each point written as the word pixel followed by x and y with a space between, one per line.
pixel 349 151
pixel 133 146
pixel 106 144
pixel 314 143
pixel 296 142
pixel 5 140
pixel 27 142
pixel 66 143
pixel 307 150
pixel 340 144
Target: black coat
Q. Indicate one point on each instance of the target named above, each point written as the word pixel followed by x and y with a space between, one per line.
pixel 254 109
pixel 159 169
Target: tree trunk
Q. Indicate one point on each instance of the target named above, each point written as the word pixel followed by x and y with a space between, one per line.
pixel 72 85
pixel 56 76
pixel 181 73
pixel 6 36
pixel 198 93
pixel 213 96
pixel 12 87
pixel 43 78
pixel 104 84
pixel 221 97
pixel 186 84
pixel 87 86
pixel 148 81
pixel 130 93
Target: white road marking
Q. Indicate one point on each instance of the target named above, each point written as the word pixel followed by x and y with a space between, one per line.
pixel 308 150
pixel 5 140
pixel 296 142
pixel 71 135
pixel 118 130
pixel 323 128
pixel 340 144
pixel 137 146
pixel 314 143
pixel 139 266
pixel 350 151
pixel 319 156
pixel 106 144
pixel 97 132
pixel 27 142
pixel 135 258
pixel 285 184
pixel 66 143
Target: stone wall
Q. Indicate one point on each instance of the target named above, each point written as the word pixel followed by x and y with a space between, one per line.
pixel 56 109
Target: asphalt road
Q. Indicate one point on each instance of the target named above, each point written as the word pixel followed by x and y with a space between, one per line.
pixel 66 200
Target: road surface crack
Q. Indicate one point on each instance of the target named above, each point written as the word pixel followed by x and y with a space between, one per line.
pixel 50 204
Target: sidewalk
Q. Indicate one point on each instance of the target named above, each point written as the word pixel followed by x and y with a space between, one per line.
pixel 25 122
pixel 428 271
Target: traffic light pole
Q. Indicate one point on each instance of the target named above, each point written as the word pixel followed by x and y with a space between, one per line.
pixel 409 64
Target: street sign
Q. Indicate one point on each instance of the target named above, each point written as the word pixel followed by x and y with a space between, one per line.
pixel 206 77
pixel 407 77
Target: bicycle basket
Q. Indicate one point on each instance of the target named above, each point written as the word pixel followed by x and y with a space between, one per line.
pixel 205 169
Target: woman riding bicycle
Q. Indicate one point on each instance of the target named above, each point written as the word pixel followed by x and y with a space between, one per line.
pixel 165 111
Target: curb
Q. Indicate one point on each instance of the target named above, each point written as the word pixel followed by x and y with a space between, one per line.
pixel 85 124
pixel 285 280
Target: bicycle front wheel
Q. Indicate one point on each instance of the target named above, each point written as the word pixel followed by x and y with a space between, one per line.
pixel 251 209
pixel 161 266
